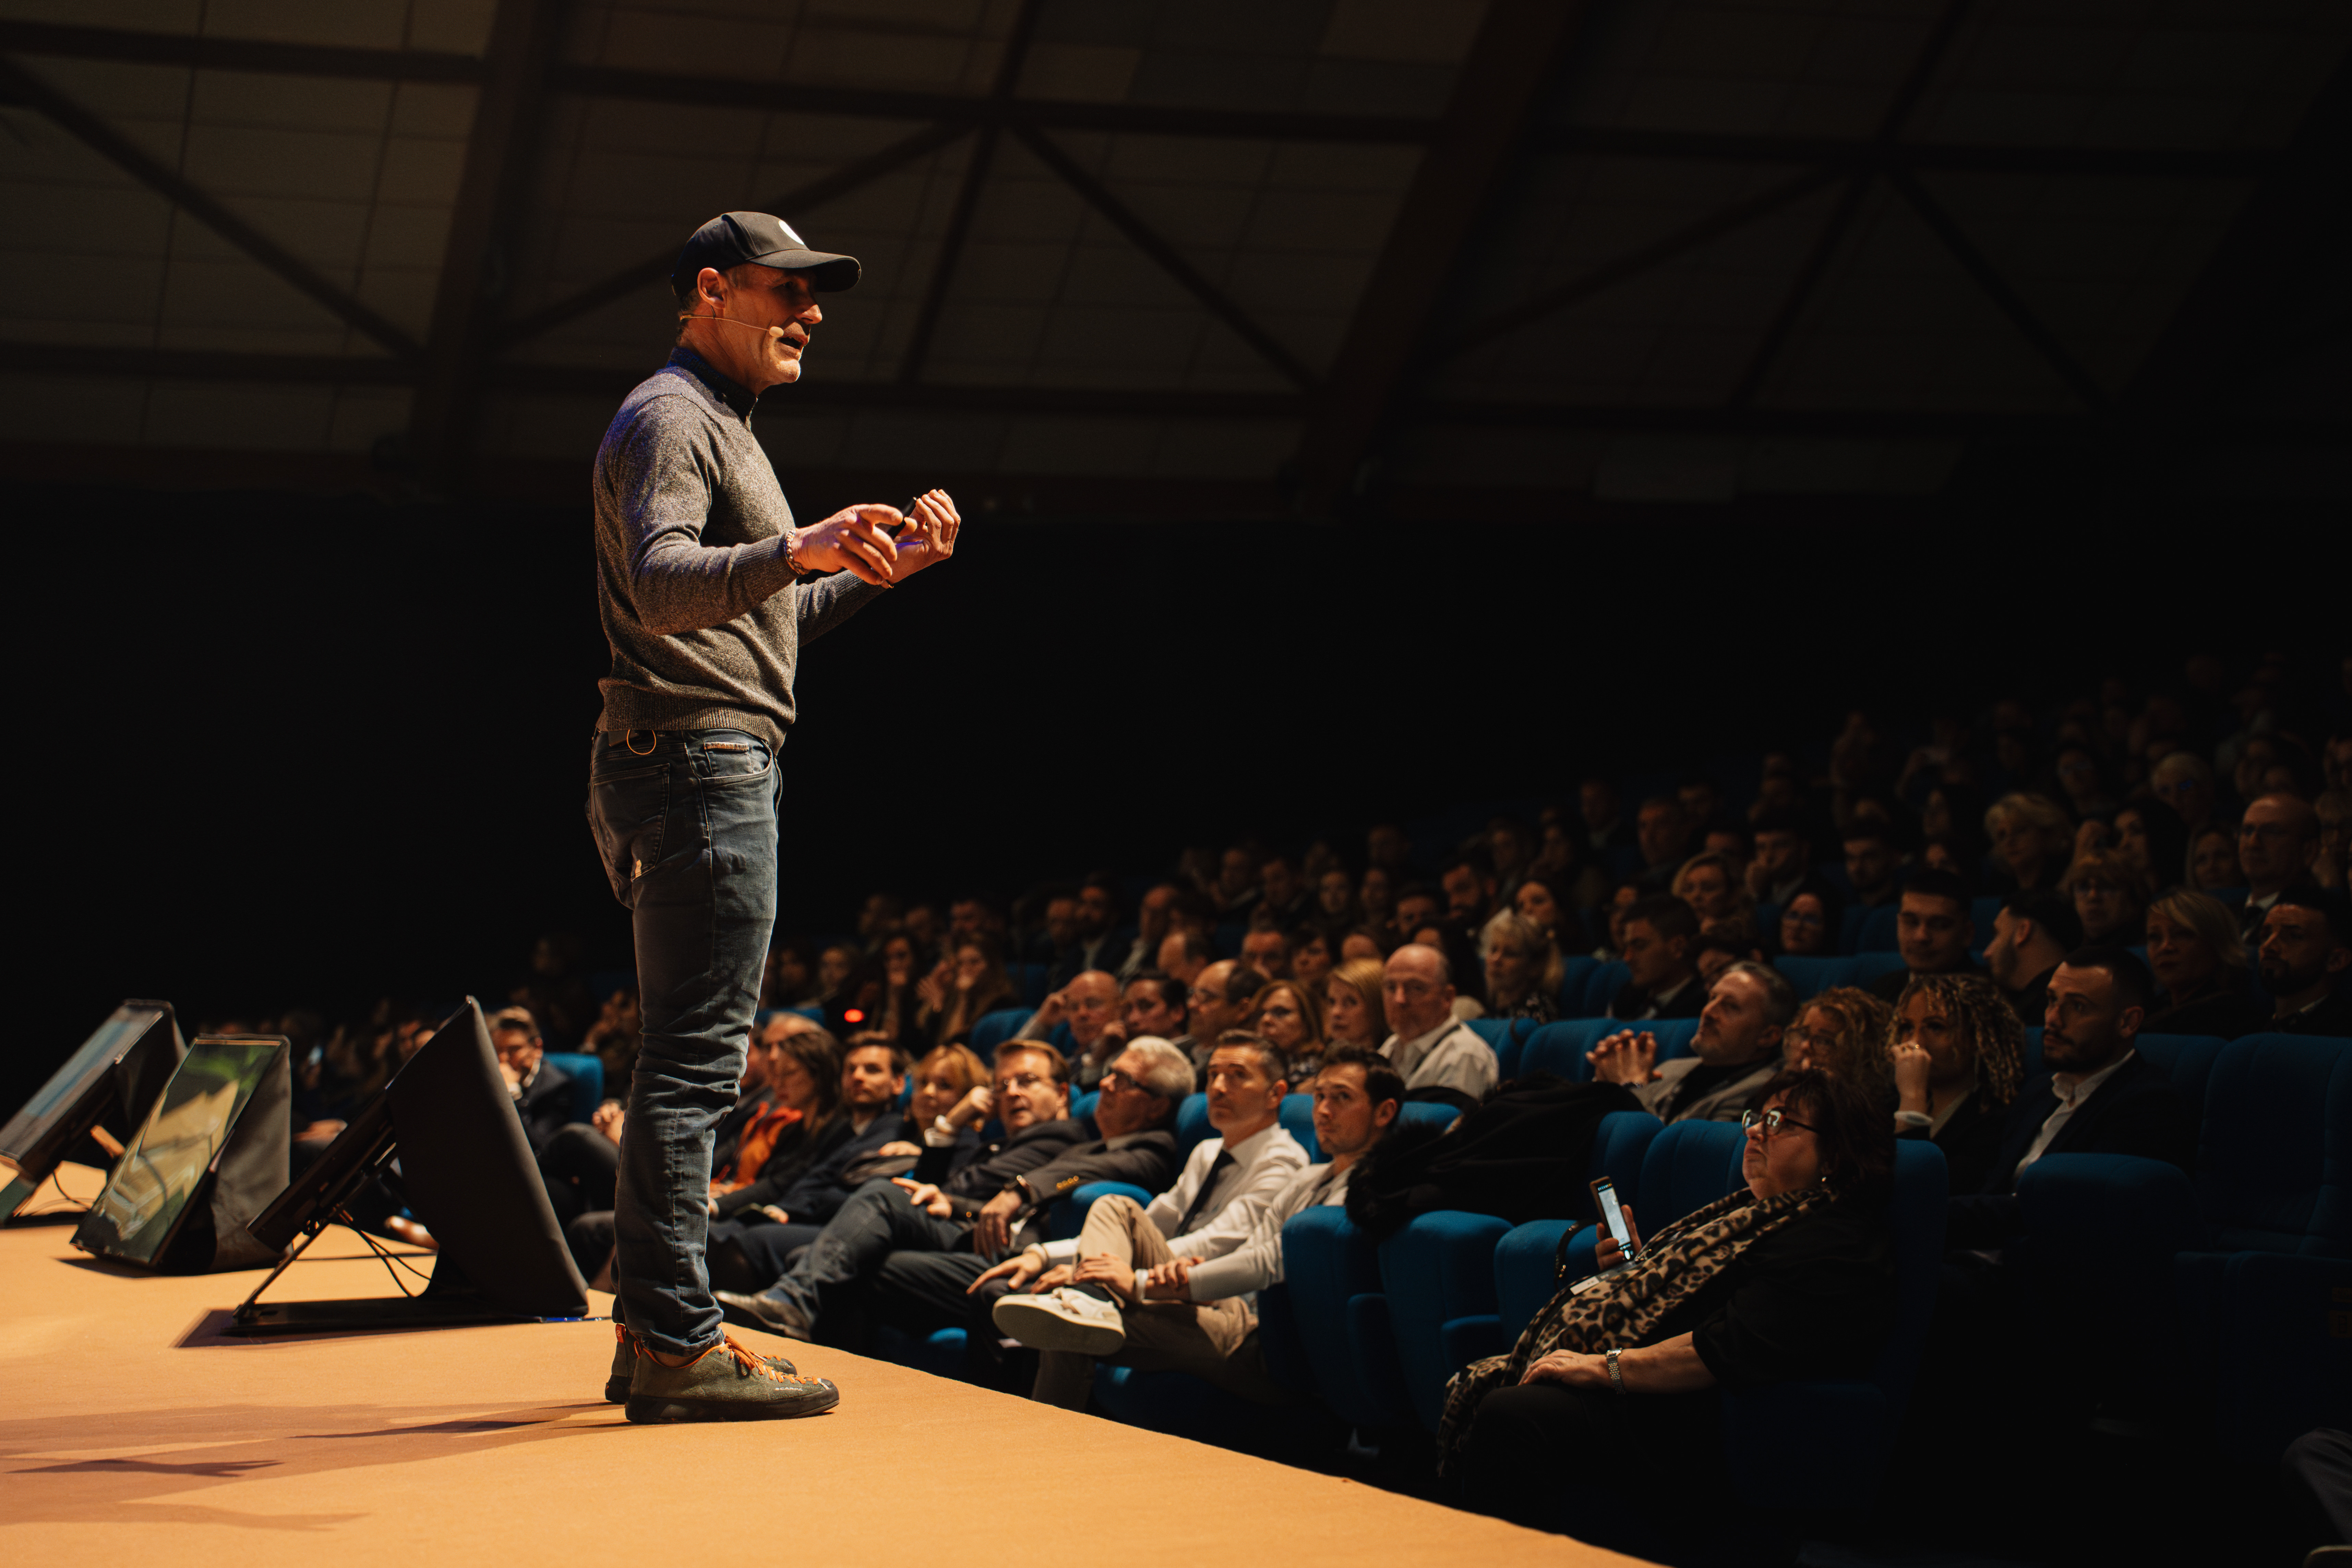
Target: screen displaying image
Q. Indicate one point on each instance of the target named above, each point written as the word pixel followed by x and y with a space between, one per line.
pixel 71 1083
pixel 142 1206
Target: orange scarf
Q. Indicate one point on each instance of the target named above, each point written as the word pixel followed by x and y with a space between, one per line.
pixel 760 1139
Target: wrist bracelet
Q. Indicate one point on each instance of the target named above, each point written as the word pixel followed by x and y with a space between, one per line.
pixel 793 552
pixel 1616 1378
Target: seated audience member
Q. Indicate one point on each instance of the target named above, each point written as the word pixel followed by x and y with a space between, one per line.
pixel 2201 967
pixel 1810 922
pixel 951 1101
pixel 1663 835
pixel 2183 781
pixel 1933 929
pixel 1737 1048
pixel 1523 970
pixel 2108 899
pixel 1185 953
pixel 2278 838
pixel 1283 897
pixel 1377 895
pixel 1538 901
pixel 1373 943
pixel 1288 1015
pixel 1959 1058
pixel 944 1230
pixel 2031 840
pixel 968 984
pixel 1784 857
pixel 1845 1032
pixel 1439 1056
pixel 1718 951
pixel 1235 889
pixel 2032 936
pixel 1469 891
pixel 1317 954
pixel 1080 1285
pixel 1155 917
pixel 1418 907
pixel 2098 1095
pixel 1267 947
pixel 2213 860
pixel 1709 886
pixel 803 1074
pixel 2150 838
pixel 1150 1004
pixel 1335 899
pixel 1603 822
pixel 1090 1006
pixel 768 1231
pixel 1193 1314
pixel 1353 1018
pixel 1872 864
pixel 2083 782
pixel 1093 915
pixel 616 1037
pixel 1659 945
pixel 1218 999
pixel 1789 1278
pixel 2306 953
pixel 2334 811
pixel 1612 919
pixel 542 1090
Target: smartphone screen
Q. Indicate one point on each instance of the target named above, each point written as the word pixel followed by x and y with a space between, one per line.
pixel 1604 1198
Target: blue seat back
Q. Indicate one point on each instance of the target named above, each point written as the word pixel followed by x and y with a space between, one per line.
pixel 1332 1273
pixel 1850 927
pixel 1192 1124
pixel 1426 1113
pixel 1029 979
pixel 1067 1216
pixel 1575 974
pixel 1297 1117
pixel 1559 1048
pixel 1809 977
pixel 2274 1161
pixel 1687 1167
pixel 1878 931
pixel 1869 966
pixel 994 1028
pixel 1982 912
pixel 1438 1273
pixel 1602 985
pixel 1496 1032
pixel 1083 1105
pixel 1620 1145
pixel 587 1076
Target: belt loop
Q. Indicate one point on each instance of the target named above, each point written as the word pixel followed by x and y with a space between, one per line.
pixel 629 739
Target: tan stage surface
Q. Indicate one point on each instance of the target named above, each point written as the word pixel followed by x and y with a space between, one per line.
pixel 131 1431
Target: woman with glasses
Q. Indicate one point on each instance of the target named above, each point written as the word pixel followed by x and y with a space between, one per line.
pixel 2108 899
pixel 1287 1017
pixel 1959 1057
pixel 1843 1031
pixel 1617 1381
pixel 1808 927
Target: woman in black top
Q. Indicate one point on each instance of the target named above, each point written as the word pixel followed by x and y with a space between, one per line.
pixel 1617 1381
pixel 1959 1057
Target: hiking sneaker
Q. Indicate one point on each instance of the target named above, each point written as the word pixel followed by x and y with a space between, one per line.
pixel 725 1382
pixel 1062 1320
pixel 625 1361
pixel 772 1313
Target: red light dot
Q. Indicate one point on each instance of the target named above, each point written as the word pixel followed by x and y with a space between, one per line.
pixel 853 1015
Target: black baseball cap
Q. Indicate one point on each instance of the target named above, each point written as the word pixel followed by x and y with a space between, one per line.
pixel 732 238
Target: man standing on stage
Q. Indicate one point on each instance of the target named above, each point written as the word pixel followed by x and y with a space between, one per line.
pixel 706 592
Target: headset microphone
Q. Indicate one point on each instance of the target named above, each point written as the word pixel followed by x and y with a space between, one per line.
pixel 771 332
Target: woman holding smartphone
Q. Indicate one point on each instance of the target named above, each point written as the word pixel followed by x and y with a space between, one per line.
pixel 1617 1380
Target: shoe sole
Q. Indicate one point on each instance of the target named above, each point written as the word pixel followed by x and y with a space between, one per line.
pixel 616 1391
pixel 1042 1328
pixel 649 1410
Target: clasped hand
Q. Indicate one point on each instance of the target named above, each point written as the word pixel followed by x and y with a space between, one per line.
pixel 1625 1058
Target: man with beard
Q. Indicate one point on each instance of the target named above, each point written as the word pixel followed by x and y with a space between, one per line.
pixel 2306 951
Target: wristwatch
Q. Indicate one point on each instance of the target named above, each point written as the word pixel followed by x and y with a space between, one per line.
pixel 1616 1378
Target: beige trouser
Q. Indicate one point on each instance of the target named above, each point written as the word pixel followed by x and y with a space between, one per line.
pixel 1215 1339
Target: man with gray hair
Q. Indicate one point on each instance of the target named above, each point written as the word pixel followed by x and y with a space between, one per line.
pixel 707 590
pixel 1439 1056
pixel 1736 1051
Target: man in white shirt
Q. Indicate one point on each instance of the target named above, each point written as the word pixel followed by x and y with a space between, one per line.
pixel 1226 1181
pixel 1430 1047
pixel 1169 1310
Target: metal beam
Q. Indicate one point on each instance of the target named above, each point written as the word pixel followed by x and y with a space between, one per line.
pixel 967 206
pixel 24 87
pixel 473 272
pixel 1997 289
pixel 1879 156
pixel 1494 92
pixel 210 53
pixel 1144 238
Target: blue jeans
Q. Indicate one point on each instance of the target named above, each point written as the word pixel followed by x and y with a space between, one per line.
pixel 686 824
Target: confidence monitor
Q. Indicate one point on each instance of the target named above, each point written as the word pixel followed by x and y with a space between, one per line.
pixel 445 1130
pixel 112 1080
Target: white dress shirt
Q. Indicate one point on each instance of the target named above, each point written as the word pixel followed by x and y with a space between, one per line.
pixel 1451 1056
pixel 1262 1163
pixel 2072 1092
pixel 1257 1263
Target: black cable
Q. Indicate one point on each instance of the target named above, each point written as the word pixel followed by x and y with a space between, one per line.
pixel 392 1262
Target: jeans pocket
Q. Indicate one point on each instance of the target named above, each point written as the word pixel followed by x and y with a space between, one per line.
pixel 627 811
pixel 730 757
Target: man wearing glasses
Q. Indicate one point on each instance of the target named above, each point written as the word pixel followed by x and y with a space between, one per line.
pixel 920 1241
pixel 2278 838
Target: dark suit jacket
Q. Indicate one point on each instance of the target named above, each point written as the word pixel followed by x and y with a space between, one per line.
pixel 2135 1112
pixel 1971 1138
pixel 1632 1005
pixel 1052 1158
pixel 2333 1016
pixel 546 1106
pixel 2228 1014
pixel 821 1188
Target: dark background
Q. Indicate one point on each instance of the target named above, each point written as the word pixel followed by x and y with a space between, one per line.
pixel 290 751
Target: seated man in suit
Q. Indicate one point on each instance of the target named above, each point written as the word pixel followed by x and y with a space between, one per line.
pixel 1438 1056
pixel 945 1236
pixel 542 1092
pixel 1933 929
pixel 1165 1309
pixel 2034 931
pixel 1661 953
pixel 2278 839
pixel 1736 1051
pixel 2099 1096
pixel 2306 953
pixel 1227 1183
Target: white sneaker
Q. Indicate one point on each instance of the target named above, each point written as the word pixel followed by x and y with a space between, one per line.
pixel 1062 1320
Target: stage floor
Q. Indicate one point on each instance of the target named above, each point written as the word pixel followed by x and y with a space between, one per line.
pixel 130 1429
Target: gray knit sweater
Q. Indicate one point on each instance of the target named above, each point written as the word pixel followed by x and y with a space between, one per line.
pixel 692 584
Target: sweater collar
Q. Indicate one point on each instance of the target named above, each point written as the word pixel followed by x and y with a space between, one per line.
pixel 726 389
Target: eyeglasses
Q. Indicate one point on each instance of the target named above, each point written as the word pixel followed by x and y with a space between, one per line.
pixel 1027 1080
pixel 1772 1120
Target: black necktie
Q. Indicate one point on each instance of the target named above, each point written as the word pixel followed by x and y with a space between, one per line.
pixel 1201 1199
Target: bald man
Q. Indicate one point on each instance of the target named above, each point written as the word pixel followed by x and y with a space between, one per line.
pixel 1430 1049
pixel 1090 1006
pixel 2278 838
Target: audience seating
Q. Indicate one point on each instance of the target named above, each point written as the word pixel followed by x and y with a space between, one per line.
pixel 1574 974
pixel 587 1075
pixel 1811 976
pixel 993 1029
pixel 1333 1272
pixel 1559 1048
pixel 1878 929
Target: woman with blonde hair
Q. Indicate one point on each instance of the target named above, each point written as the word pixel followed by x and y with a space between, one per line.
pixel 1524 969
pixel 1847 1032
pixel 2032 839
pixel 2109 897
pixel 2200 963
pixel 1286 1014
pixel 1714 890
pixel 1352 1011
pixel 1959 1058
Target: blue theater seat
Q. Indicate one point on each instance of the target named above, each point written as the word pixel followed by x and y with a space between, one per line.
pixel 1878 931
pixel 1811 976
pixel 1574 974
pixel 1333 1272
pixel 587 1075
pixel 1600 987
pixel 1559 1048
pixel 1029 979
pixel 994 1028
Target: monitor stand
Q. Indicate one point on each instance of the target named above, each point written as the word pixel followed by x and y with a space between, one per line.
pixel 444 1302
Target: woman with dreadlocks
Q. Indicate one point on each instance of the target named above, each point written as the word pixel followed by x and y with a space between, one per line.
pixel 1959 1056
pixel 1616 1384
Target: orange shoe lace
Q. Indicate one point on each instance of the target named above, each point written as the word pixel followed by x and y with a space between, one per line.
pixel 752 1361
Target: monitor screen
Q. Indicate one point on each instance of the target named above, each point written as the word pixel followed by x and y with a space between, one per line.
pixel 142 1205
pixel 30 1138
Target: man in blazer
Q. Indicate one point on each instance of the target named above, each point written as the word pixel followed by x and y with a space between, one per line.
pixel 1735 1052
pixel 2100 1096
